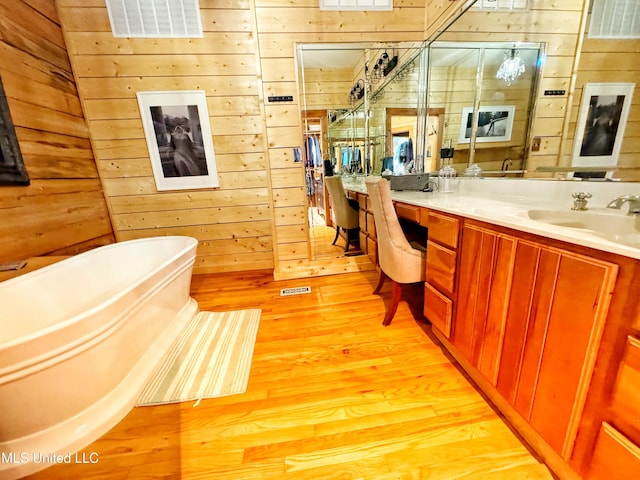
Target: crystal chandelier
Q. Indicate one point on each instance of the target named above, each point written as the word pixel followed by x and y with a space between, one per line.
pixel 512 67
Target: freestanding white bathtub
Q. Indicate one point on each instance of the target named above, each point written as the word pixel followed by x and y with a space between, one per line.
pixel 80 338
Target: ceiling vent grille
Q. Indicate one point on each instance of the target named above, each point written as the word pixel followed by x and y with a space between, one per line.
pixel 356 5
pixel 500 4
pixel 155 18
pixel 615 19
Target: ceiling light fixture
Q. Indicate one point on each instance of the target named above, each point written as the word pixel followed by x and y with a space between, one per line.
pixel 357 92
pixel 512 67
pixel 382 67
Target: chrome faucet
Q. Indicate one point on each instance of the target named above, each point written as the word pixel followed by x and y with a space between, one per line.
pixel 633 200
pixel 580 200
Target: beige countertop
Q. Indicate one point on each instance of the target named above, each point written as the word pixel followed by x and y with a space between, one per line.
pixel 507 203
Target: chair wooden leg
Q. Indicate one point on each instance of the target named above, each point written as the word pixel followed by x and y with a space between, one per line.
pixel 395 299
pixel 381 280
pixel 337 234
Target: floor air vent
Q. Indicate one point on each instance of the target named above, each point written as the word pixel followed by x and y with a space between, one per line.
pixel 155 18
pixel 294 291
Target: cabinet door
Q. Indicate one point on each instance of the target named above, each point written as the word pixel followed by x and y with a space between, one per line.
pixel 526 325
pixel 557 307
pixel 483 290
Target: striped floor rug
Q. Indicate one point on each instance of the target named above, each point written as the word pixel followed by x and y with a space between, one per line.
pixel 211 358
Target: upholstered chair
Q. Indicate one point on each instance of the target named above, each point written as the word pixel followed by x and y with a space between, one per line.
pixel 345 212
pixel 398 260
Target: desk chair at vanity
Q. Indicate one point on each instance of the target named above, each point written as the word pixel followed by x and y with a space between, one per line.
pixel 399 261
pixel 345 212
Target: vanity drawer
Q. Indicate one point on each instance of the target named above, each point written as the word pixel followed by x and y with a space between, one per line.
pixel 408 212
pixel 440 266
pixel 443 229
pixel 362 201
pixel 362 220
pixel 372 250
pixel 371 225
pixel 438 309
pixel 625 398
pixel 615 456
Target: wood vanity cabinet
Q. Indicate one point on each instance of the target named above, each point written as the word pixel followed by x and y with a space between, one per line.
pixel 529 318
pixel 440 274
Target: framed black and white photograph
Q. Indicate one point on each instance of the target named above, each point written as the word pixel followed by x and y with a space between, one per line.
pixel 176 126
pixel 12 169
pixel 602 118
pixel 495 123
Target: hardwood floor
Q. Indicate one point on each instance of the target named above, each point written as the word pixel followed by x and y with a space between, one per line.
pixel 332 395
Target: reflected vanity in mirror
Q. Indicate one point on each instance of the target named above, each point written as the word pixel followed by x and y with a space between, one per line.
pixel 510 105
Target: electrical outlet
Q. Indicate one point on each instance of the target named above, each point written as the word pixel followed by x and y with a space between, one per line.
pixel 446 152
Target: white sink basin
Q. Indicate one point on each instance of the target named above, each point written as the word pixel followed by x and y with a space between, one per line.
pixel 614 225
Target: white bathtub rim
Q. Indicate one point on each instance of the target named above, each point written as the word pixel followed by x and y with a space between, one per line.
pixel 50 358
pixel 12 343
pixel 84 428
pixel 189 241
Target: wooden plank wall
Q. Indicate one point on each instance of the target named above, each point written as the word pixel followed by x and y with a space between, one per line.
pixel 63 211
pixel 233 223
pixel 604 61
pixel 327 88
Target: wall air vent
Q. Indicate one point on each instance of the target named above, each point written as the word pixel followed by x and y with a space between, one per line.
pixel 615 19
pixel 155 18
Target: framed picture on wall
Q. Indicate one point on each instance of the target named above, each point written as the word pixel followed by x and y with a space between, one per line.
pixel 176 126
pixel 12 169
pixel 494 124
pixel 602 118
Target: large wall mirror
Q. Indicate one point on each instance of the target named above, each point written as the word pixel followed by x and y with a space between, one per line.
pixel 360 107
pixel 465 84
pixel 457 88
